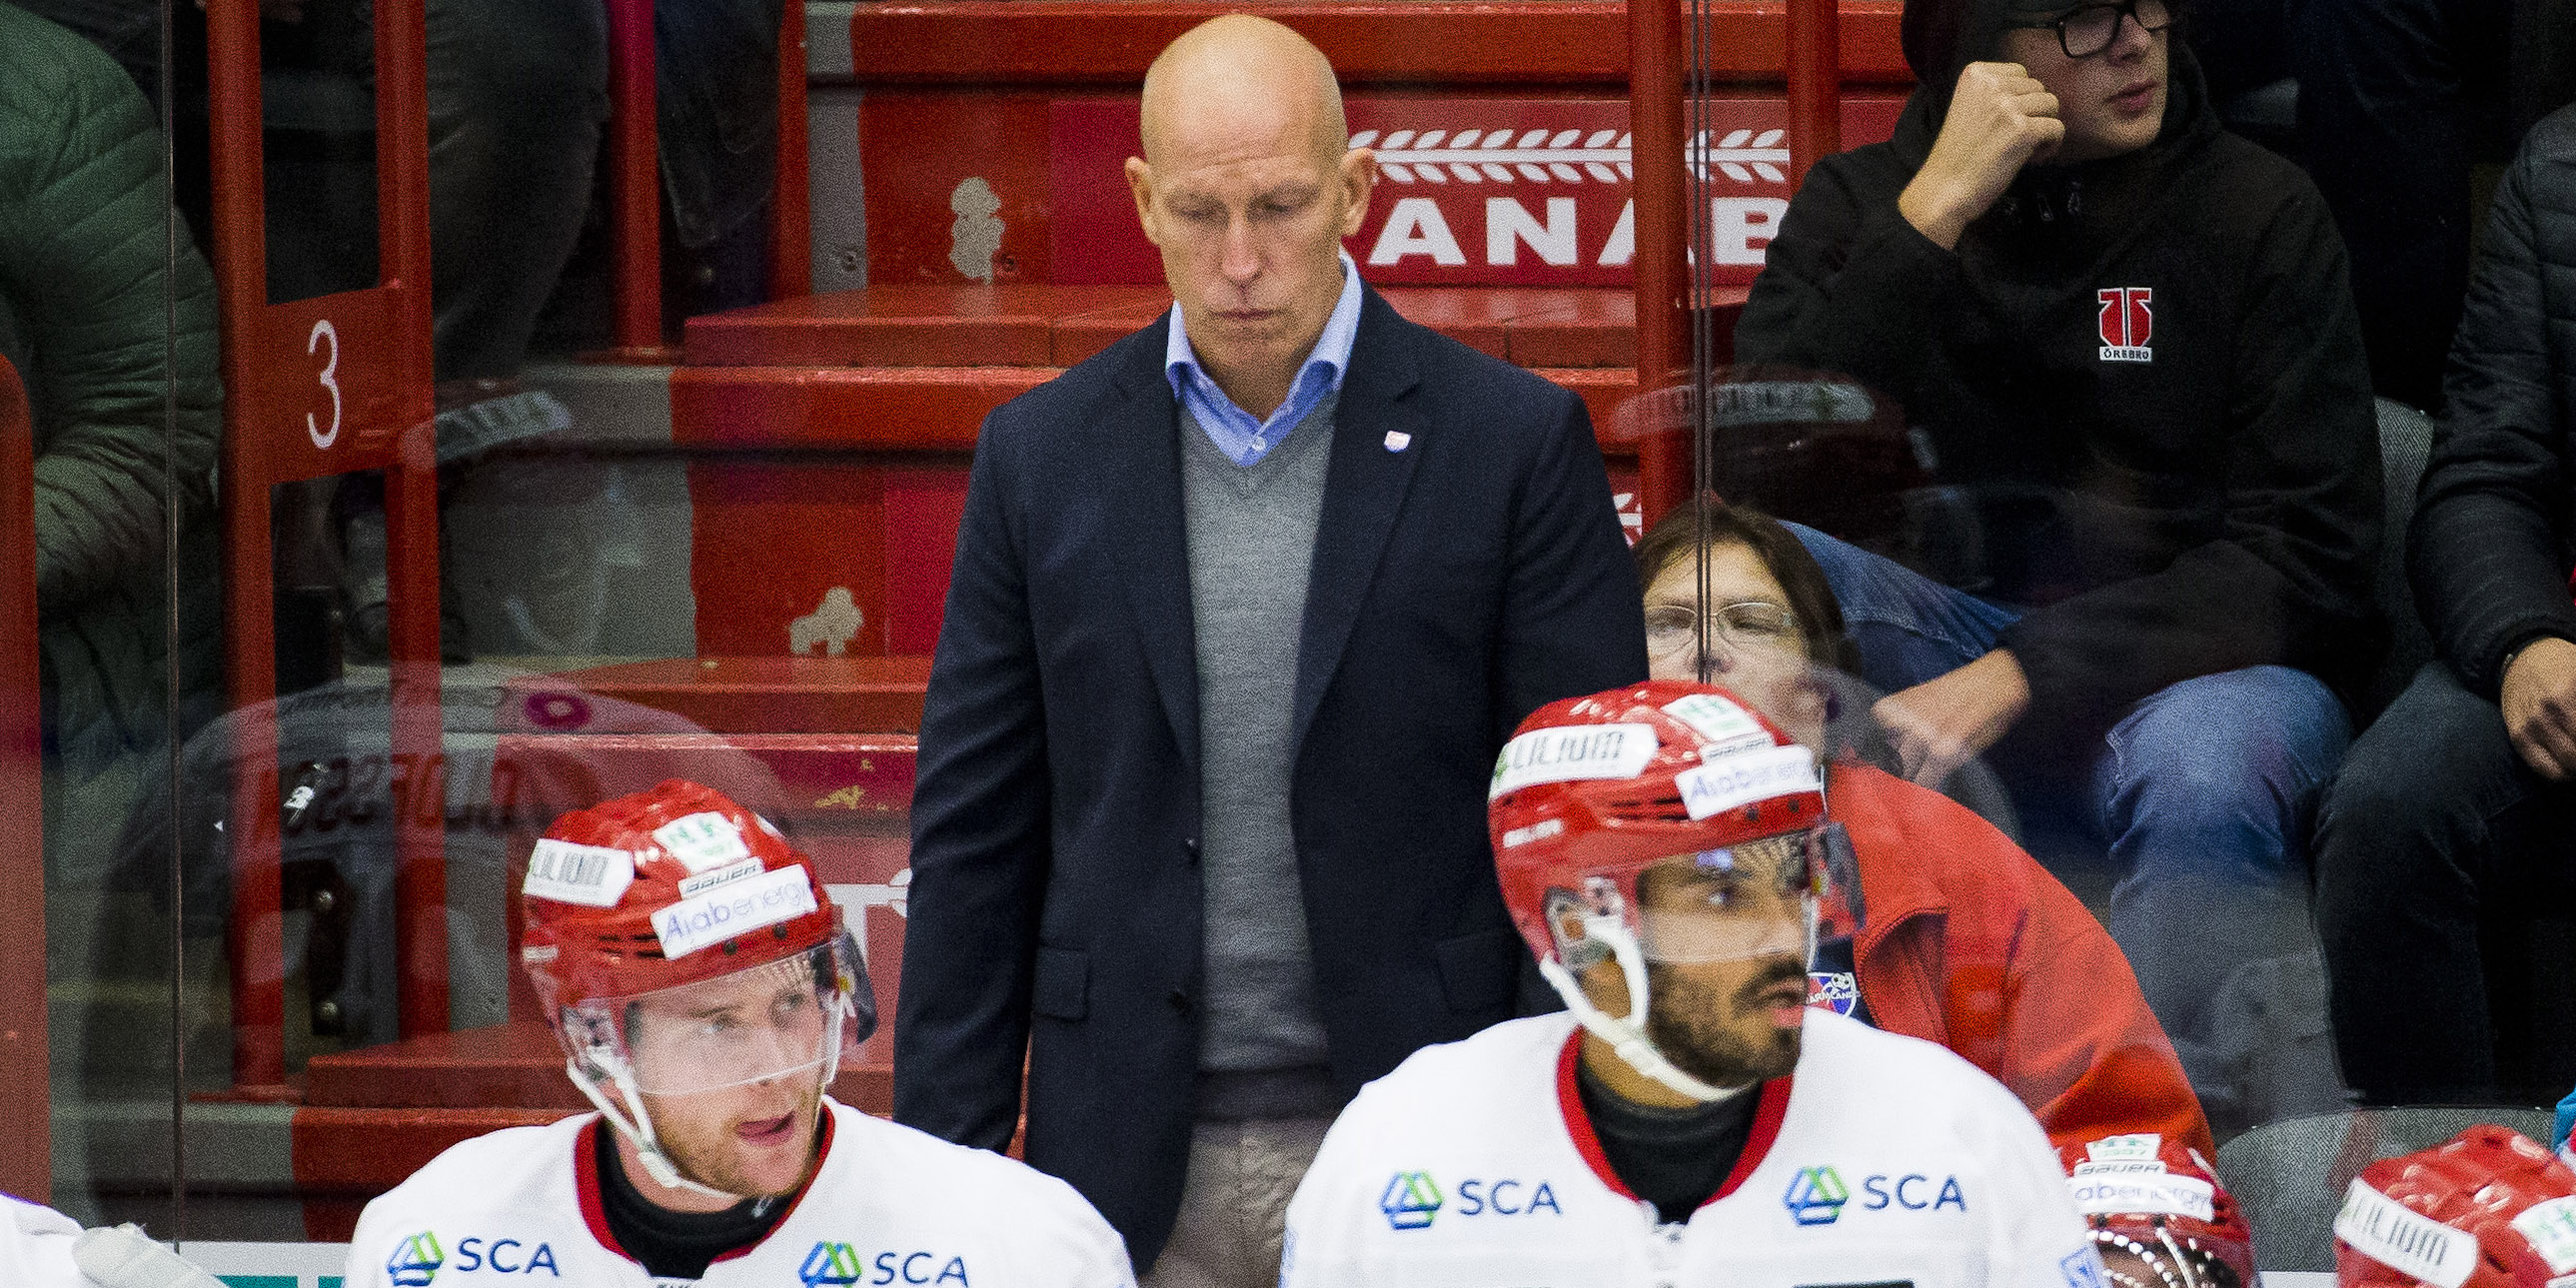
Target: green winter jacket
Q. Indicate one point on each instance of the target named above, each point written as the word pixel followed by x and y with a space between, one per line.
pixel 83 241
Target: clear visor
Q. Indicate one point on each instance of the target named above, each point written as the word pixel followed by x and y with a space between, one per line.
pixel 1757 899
pixel 755 1025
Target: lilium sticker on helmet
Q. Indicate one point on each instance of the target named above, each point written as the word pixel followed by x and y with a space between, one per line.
pixel 1565 754
pixel 593 875
pixel 2405 1240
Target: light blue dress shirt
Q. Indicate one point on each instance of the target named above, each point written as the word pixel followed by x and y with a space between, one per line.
pixel 1242 436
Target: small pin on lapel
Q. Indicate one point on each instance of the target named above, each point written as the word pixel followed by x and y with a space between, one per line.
pixel 1397 442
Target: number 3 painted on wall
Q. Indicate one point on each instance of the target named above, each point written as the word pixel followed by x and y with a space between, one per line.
pixel 323 330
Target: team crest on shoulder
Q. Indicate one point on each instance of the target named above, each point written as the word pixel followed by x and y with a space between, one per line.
pixel 1833 990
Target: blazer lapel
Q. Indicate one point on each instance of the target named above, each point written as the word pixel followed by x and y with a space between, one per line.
pixel 1364 487
pixel 1143 475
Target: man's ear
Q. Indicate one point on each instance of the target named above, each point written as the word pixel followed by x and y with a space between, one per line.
pixel 1140 185
pixel 1358 177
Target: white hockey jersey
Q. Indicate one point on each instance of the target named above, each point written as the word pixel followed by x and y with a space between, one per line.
pixel 36 1246
pixel 889 1206
pixel 1885 1161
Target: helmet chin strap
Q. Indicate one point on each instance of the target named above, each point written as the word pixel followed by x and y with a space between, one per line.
pixel 1626 1034
pixel 639 1126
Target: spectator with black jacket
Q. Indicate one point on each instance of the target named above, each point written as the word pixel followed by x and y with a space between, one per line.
pixel 2126 339
pixel 2456 803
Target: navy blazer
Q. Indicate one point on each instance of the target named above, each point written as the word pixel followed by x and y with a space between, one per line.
pixel 1460 580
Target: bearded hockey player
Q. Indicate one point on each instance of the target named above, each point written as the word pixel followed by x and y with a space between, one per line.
pixel 2488 1208
pixel 704 989
pixel 2160 1218
pixel 1692 1122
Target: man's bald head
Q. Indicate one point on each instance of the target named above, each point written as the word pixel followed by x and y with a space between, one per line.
pixel 1247 187
pixel 1236 70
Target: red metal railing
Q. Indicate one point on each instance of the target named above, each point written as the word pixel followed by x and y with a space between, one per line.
pixel 26 1154
pixel 315 388
pixel 634 180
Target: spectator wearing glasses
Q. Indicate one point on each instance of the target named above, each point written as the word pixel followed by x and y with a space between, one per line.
pixel 2126 339
pixel 1961 937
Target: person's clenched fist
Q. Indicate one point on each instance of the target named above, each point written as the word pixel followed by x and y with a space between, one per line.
pixel 2000 120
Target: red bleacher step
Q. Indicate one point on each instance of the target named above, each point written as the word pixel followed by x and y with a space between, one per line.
pixel 513 1068
pixel 770 695
pixel 1033 325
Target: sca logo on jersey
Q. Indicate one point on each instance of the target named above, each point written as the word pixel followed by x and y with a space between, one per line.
pixel 1412 1199
pixel 839 1264
pixel 830 1263
pixel 2082 1268
pixel 415 1261
pixel 503 1256
pixel 1817 1195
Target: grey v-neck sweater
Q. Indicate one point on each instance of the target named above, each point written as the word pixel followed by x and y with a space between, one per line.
pixel 1251 534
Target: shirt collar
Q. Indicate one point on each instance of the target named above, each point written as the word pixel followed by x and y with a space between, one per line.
pixel 1332 350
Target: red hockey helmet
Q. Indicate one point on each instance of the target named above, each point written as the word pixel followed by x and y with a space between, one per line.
pixel 2160 1218
pixel 1604 787
pixel 662 888
pixel 1593 792
pixel 2489 1208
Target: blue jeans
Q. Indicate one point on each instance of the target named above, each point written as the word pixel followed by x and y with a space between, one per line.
pixel 2201 795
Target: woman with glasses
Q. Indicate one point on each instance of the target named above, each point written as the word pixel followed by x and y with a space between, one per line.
pixel 2124 342
pixel 1956 935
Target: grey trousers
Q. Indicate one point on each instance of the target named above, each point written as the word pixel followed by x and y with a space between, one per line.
pixel 1234 1207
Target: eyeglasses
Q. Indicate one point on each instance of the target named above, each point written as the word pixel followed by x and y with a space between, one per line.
pixel 1752 623
pixel 2088 30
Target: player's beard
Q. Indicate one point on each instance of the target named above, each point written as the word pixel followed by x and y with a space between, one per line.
pixel 1718 1032
pixel 704 1146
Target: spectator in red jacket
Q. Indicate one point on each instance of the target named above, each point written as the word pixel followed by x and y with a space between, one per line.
pixel 1962 938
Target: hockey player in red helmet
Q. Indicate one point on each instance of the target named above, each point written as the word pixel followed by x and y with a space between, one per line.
pixel 704 989
pixel 2160 1218
pixel 1690 1121
pixel 2489 1208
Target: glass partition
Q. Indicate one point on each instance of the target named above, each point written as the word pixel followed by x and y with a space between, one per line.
pixel 496 408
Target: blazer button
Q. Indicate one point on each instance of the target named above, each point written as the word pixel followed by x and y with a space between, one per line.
pixel 1190 846
pixel 1180 1000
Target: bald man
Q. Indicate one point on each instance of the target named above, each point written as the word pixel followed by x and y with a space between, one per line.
pixel 1243 610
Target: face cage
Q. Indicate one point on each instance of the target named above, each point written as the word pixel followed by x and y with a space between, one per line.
pixel 600 1060
pixel 2173 1261
pixel 1610 933
pixel 1791 864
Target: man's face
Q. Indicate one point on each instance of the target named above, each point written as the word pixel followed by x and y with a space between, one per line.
pixel 1725 937
pixel 1248 201
pixel 733 1075
pixel 2112 102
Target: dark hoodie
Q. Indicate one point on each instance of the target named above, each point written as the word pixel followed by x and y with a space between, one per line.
pixel 2215 505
